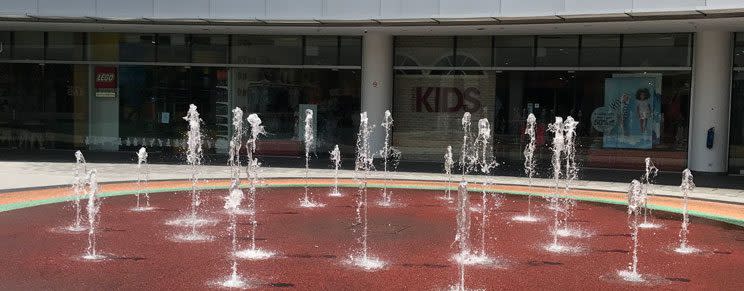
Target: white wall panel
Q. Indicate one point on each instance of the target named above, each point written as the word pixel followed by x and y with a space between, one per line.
pixel 672 5
pixel 465 8
pixel 293 9
pixel 182 9
pixel 594 6
pixel 352 9
pixel 18 7
pixel 531 7
pixel 722 4
pixel 346 9
pixel 129 8
pixel 67 7
pixel 395 9
pixel 238 9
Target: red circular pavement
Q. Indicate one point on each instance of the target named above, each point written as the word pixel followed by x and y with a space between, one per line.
pixel 313 244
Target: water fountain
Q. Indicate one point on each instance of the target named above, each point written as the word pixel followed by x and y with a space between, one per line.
pixel 466 158
pixel 306 201
pixel 571 174
pixel 385 153
pixel 78 191
pixel 687 186
pixel 336 159
pixel 462 235
pixel 194 159
pixel 636 200
pixel 647 182
pixel 448 163
pixel 555 203
pixel 253 168
pixel 529 168
pixel 363 165
pixel 143 175
pixel 94 206
pixel 486 163
pixel 236 145
pixel 232 205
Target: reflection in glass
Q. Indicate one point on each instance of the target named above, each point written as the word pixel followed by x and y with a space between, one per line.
pixel 645 50
pixel 267 50
pixel 557 51
pixel 513 51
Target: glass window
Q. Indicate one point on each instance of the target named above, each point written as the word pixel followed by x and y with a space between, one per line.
pixel 137 47
pixel 104 46
pixel 5 44
pixel 267 50
pixel 513 51
pixel 321 50
pixel 428 108
pixel 600 51
pixel 43 107
pixel 659 50
pixel 739 49
pixel 280 97
pixel 736 139
pixel 425 50
pixel 209 49
pixel 473 51
pixel 28 45
pixel 350 51
pixel 557 51
pixel 173 48
pixel 66 46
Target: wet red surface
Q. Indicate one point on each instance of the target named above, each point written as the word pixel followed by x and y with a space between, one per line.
pixel 313 244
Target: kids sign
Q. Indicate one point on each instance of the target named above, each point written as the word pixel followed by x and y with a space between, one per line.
pixel 105 82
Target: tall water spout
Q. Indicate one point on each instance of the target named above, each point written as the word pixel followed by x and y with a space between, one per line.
pixel 194 159
pixel 385 153
pixel 78 190
pixel 306 201
pixel 572 172
pixel 636 200
pixel 93 208
pixel 362 166
pixel 253 169
pixel 232 205
pixel 529 167
pixel 336 159
pixel 486 163
pixel 448 163
pixel 236 144
pixel 143 176
pixel 686 187
pixel 465 156
pixel 462 235
pixel 647 180
pixel 555 204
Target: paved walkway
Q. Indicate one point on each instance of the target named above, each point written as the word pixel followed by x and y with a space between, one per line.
pixel 19 175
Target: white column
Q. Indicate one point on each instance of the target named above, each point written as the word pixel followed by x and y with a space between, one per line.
pixel 710 104
pixel 377 82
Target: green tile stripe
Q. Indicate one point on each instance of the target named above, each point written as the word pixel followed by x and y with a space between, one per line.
pixel 26 204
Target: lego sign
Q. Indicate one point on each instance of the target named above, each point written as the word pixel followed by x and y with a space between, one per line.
pixel 105 82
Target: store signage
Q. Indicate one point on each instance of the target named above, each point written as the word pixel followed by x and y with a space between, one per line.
pixel 447 99
pixel 105 82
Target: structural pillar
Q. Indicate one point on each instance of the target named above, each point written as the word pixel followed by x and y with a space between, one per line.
pixel 377 82
pixel 711 100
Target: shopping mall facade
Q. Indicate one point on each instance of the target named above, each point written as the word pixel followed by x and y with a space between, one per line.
pixel 644 78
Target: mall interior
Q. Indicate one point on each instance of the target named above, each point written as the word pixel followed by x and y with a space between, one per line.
pixel 670 85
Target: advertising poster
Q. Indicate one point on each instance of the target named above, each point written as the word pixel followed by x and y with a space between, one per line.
pixel 630 116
